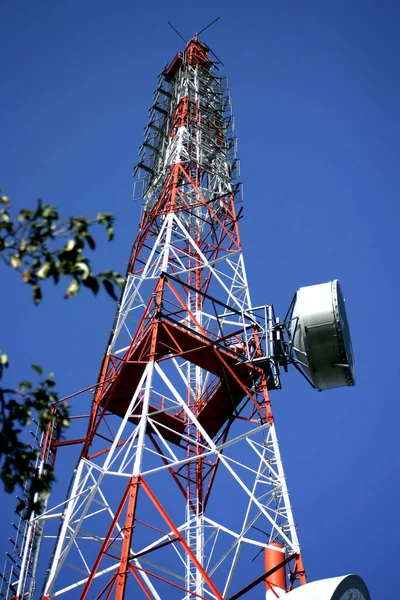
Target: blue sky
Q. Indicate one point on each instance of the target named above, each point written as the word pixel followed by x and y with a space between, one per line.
pixel 315 92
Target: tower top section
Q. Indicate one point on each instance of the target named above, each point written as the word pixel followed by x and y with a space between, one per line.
pixel 195 53
pixel 190 124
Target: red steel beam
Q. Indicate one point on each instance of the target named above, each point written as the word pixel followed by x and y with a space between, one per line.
pixel 182 541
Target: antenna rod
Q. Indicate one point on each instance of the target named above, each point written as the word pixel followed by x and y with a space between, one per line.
pixel 177 32
pixel 209 25
pixel 218 59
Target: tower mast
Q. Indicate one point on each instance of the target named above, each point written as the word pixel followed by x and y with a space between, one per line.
pixel 180 478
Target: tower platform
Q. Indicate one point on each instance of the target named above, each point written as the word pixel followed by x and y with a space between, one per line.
pixel 232 377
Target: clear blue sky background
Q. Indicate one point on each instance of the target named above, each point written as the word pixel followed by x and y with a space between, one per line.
pixel 315 89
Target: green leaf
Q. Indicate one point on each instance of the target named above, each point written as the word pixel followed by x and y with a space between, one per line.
pixel 4 200
pixel 38 369
pixel 43 271
pixel 25 385
pixel 91 283
pixel 49 212
pixel 39 210
pixel 72 289
pixel 4 360
pixel 108 286
pixel 15 261
pixel 107 220
pixel 91 242
pixel 55 272
pixel 70 245
pixel 37 293
pixel 84 268
pixel 104 218
pixel 24 214
pixel 26 276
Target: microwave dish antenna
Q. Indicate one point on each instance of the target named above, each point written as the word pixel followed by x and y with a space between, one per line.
pixel 347 587
pixel 320 336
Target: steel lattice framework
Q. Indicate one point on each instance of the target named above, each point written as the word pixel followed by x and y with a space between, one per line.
pixel 180 479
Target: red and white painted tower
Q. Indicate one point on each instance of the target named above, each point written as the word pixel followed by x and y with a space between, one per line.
pixel 180 482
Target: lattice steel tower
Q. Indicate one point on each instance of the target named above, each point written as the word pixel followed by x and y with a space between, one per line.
pixel 180 483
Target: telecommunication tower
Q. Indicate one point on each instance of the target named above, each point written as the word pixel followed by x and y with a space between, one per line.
pixel 180 491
